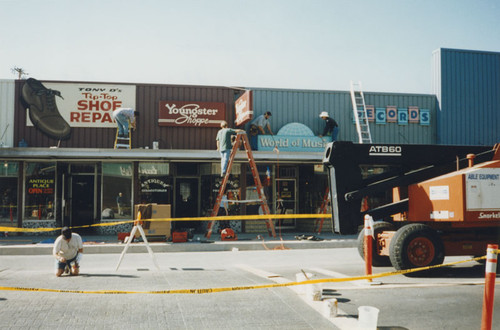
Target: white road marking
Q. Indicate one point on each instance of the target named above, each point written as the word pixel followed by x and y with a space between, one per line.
pixel 343 321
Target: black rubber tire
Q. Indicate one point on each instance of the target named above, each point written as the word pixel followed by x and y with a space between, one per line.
pixel 377 260
pixel 416 245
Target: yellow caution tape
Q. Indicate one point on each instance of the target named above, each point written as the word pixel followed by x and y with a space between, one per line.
pixel 221 218
pixel 241 288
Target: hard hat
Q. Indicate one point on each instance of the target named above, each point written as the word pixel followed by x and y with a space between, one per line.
pixel 324 114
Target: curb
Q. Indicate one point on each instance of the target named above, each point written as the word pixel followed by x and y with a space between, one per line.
pixel 112 248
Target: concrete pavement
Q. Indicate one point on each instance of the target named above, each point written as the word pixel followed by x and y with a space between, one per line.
pixel 42 245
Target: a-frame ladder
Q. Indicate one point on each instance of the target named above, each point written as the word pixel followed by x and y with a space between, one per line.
pixel 360 115
pixel 241 137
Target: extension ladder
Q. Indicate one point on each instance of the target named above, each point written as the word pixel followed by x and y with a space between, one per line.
pixel 360 115
pixel 241 137
pixel 123 142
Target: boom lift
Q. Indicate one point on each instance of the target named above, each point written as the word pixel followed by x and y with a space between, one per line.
pixel 437 202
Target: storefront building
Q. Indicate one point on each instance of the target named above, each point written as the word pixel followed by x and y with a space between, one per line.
pixel 82 180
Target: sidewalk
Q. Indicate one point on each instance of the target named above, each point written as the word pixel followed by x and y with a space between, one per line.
pixel 42 245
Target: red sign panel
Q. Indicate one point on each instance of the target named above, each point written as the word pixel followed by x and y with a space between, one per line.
pixel 191 114
pixel 244 108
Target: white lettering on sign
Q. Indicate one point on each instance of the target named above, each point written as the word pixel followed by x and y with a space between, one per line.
pixel 484 215
pixel 385 151
pixel 240 105
pixel 280 143
pixel 191 114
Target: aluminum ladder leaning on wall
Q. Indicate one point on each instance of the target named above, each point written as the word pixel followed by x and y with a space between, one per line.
pixel 360 115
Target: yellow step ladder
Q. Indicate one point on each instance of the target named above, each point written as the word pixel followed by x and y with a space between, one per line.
pixel 123 142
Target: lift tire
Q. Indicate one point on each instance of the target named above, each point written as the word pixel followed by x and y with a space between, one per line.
pixel 377 260
pixel 416 245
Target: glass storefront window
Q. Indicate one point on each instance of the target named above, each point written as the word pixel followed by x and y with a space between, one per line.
pixel 117 190
pixel 156 184
pixel 8 192
pixel 40 191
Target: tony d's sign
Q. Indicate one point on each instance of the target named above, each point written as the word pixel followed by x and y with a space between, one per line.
pixel 195 114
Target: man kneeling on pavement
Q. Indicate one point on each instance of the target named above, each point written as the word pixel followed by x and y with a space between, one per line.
pixel 68 248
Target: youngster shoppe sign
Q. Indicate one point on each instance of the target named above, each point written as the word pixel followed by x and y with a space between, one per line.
pixel 191 114
pixel 91 105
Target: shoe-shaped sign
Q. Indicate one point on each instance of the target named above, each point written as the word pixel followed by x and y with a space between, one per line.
pixel 54 108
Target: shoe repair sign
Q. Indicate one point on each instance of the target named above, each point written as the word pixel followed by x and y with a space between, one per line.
pixel 193 114
pixel 91 105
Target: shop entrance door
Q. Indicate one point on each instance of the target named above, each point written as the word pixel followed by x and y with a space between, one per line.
pixel 82 201
pixel 186 202
pixel 286 202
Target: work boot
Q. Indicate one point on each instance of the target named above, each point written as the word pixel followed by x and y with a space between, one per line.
pixel 43 111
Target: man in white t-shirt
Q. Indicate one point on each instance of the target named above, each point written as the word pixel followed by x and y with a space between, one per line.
pixel 68 248
pixel 122 117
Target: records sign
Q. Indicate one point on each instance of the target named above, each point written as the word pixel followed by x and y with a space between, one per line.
pixel 191 114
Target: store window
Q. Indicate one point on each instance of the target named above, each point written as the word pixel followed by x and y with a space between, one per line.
pixel 40 191
pixel 156 184
pixel 210 184
pixel 8 192
pixel 252 196
pixel 117 190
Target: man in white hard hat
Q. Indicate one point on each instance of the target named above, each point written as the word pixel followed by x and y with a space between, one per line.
pixel 331 126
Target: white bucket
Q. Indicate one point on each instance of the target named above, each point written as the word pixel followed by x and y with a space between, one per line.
pixel 156 145
pixel 330 307
pixel 300 277
pixel 368 317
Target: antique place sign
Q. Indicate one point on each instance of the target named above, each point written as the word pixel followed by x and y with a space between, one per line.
pixel 191 114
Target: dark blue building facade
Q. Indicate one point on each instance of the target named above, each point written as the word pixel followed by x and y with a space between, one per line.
pixel 467 86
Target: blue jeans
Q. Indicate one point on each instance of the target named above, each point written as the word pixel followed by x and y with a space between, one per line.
pixel 224 160
pixel 335 133
pixel 122 122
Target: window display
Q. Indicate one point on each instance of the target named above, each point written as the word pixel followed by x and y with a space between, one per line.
pixel 8 192
pixel 117 190
pixel 39 191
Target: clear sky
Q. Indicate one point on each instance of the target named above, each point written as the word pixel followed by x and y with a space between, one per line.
pixel 307 44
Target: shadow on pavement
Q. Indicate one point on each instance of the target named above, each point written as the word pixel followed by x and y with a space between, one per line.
pixel 108 275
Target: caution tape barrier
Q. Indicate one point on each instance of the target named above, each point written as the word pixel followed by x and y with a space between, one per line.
pixel 250 287
pixel 221 218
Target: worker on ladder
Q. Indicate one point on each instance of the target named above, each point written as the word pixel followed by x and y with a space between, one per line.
pixel 122 117
pixel 224 144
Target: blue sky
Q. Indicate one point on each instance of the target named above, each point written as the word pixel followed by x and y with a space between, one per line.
pixel 309 44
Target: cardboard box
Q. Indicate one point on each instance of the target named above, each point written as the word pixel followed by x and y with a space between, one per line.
pixel 156 228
